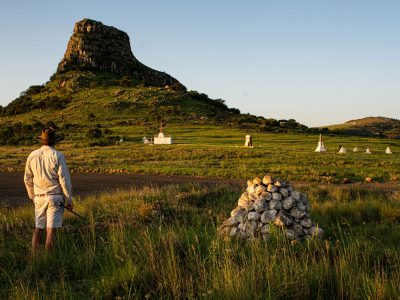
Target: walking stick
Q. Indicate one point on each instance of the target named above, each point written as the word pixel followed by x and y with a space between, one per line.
pixel 62 205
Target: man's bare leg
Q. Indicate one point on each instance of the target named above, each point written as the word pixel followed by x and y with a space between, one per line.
pixel 50 236
pixel 36 237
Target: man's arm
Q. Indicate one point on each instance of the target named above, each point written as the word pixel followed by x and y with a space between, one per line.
pixel 65 180
pixel 28 179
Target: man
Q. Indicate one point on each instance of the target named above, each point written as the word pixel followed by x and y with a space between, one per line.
pixel 48 183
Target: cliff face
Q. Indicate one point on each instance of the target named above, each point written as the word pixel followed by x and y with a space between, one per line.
pixel 94 46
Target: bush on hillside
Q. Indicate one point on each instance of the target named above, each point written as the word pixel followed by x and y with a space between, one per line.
pixel 24 134
pixel 24 103
pixel 95 133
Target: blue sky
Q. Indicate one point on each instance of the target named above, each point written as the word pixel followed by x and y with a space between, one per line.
pixel 319 62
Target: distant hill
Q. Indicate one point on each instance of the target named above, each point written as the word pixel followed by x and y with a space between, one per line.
pixel 99 82
pixel 370 126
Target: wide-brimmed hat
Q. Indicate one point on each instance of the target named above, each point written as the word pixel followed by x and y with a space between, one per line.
pixel 48 135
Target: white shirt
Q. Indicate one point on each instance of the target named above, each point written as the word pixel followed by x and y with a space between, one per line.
pixel 46 172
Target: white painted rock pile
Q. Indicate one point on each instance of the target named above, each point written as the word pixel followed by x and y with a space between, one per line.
pixel 271 206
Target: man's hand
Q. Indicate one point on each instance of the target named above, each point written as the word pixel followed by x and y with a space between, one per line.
pixel 70 206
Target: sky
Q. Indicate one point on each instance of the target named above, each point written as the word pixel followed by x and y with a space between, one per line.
pixel 319 62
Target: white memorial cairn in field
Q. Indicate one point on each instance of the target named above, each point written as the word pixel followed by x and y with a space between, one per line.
pixel 321 147
pixel 368 151
pixel 342 150
pixel 388 151
pixel 271 207
pixel 249 141
pixel 161 138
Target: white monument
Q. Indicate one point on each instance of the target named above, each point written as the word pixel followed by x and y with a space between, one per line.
pixel 355 149
pixel 388 151
pixel 342 150
pixel 249 141
pixel 321 147
pixel 161 138
pixel 368 151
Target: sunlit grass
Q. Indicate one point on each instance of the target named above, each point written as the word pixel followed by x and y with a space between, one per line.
pixel 218 152
pixel 162 243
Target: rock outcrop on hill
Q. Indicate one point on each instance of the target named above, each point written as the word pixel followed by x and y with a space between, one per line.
pixel 94 46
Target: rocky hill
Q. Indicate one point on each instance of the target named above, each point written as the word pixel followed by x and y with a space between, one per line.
pixel 99 81
pixel 370 126
pixel 94 46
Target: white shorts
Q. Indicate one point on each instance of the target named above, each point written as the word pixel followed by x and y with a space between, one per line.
pixel 48 212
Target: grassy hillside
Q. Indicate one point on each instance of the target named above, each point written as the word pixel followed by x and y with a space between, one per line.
pixel 80 97
pixel 162 243
pixel 92 111
pixel 83 99
pixel 370 126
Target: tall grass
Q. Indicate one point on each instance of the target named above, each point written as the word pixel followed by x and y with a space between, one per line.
pixel 162 243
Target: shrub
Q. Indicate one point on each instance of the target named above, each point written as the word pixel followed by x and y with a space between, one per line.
pixel 95 133
pixel 24 134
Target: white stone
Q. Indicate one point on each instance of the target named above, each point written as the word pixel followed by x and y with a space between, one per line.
pixel 290 234
pixel 342 150
pixel 272 188
pixel 265 229
pixel 320 147
pixel 284 192
pixel 253 197
pixel 301 206
pixel 233 231
pixel 251 188
pixel 297 213
pixel 275 204
pixel 145 140
pixel 249 141
pixel 242 226
pixel 295 195
pixel 253 216
pixel 252 228
pixel 267 196
pixel 388 151
pixel 268 216
pixel 166 140
pixel 276 196
pixel 260 189
pixel 306 222
pixel 249 205
pixel 283 219
pixel 287 203
pixel 267 179
pixel 260 205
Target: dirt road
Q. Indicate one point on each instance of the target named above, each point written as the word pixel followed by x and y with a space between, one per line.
pixel 13 193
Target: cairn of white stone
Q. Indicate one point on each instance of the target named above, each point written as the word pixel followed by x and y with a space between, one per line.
pixel 368 151
pixel 320 147
pixel 388 150
pixel 271 206
pixel 342 150
pixel 355 149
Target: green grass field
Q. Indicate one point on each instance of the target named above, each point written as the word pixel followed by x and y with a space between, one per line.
pixel 218 152
pixel 162 243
